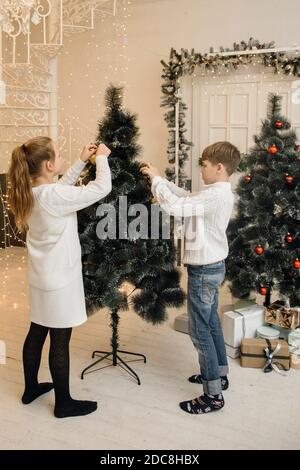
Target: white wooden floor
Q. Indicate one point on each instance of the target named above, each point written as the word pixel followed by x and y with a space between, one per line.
pixel 262 410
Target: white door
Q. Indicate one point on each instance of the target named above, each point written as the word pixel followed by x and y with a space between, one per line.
pixel 233 110
pixel 226 114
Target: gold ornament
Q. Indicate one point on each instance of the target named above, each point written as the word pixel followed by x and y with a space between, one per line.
pixel 93 159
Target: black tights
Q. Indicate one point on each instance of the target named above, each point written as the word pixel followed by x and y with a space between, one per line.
pixel 59 363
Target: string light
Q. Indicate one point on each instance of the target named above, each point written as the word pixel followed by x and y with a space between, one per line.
pixel 116 48
pixel 14 263
pixel 10 234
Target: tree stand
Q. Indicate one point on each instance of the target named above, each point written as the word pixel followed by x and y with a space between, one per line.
pixel 116 359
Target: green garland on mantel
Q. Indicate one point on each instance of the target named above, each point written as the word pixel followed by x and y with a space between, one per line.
pixel 185 62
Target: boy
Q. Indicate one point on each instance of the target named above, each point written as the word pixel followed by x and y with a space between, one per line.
pixel 207 215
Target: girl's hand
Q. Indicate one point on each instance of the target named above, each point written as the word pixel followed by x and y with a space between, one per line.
pixel 87 151
pixel 149 170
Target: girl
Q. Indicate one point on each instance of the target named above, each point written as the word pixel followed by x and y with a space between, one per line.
pixel 47 211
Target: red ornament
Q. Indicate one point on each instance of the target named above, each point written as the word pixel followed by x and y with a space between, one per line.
pixel 273 149
pixel 248 178
pixel 263 290
pixel 259 250
pixel 278 124
pixel 296 263
pixel 289 238
pixel 289 178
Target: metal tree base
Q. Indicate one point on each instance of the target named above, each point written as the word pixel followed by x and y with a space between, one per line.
pixel 116 361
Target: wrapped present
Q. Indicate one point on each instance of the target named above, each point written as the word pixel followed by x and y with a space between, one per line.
pixel 232 352
pixel 294 347
pixel 265 354
pixel 286 317
pixel 182 323
pixel 242 323
pixel 295 358
pixel 294 338
pixel 267 332
pixel 283 332
pixel 241 303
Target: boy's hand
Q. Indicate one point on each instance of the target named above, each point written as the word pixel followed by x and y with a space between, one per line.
pixel 149 170
pixel 87 151
pixel 103 150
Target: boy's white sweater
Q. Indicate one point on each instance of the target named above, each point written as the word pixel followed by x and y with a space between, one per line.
pixel 54 251
pixel 206 217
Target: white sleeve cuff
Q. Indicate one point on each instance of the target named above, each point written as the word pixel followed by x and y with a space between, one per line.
pixel 81 162
pixel 100 158
pixel 155 181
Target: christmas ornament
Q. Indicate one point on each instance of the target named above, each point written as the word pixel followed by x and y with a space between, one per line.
pixel 289 238
pixel 93 159
pixel 289 178
pixel 263 290
pixel 273 149
pixel 259 250
pixel 278 124
pixel 248 178
pixel 296 263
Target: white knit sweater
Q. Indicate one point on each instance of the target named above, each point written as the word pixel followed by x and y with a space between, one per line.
pixel 206 217
pixel 54 251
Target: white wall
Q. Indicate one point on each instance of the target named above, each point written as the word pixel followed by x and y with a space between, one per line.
pixel 87 63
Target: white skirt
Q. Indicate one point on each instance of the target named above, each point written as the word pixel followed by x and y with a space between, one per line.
pixel 59 308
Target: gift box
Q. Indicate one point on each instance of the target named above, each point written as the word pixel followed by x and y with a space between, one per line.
pixel 283 332
pixel 294 347
pixel 267 332
pixel 182 323
pixel 254 354
pixel 294 338
pixel 241 303
pixel 295 359
pixel 232 352
pixel 242 323
pixel 286 317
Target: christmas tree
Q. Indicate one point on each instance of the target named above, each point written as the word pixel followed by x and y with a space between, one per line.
pixel 264 236
pixel 125 271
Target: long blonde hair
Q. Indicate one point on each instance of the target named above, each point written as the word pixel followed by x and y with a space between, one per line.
pixel 25 165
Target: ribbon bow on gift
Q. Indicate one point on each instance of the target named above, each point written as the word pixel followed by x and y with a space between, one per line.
pixel 270 363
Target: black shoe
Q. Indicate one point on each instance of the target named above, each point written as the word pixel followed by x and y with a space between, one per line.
pixel 203 404
pixel 75 408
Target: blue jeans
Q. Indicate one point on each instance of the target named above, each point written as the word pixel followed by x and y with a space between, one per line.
pixel 204 324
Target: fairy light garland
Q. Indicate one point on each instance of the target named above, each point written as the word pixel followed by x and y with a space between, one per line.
pixel 9 232
pixel 119 41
